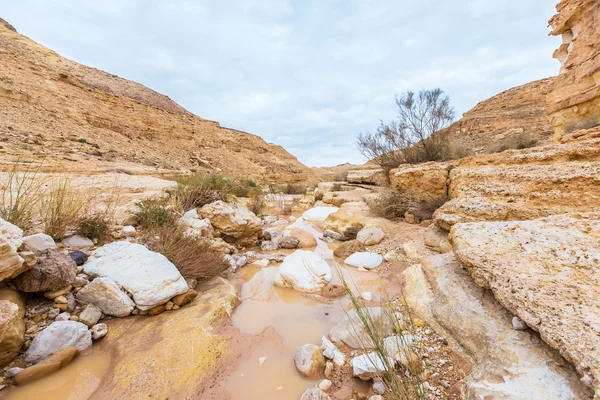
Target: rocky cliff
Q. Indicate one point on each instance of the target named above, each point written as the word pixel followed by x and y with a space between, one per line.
pixel 515 118
pixel 81 119
pixel 574 103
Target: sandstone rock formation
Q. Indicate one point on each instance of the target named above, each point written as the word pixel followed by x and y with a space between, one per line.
pixel 12 325
pixel 546 272
pixel 506 363
pixel 574 102
pixel 423 182
pixel 81 119
pixel 525 184
pixel 232 222
pixel 347 221
pixel 376 176
pixel 511 119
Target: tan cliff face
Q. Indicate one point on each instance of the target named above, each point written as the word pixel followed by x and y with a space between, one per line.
pixel 510 119
pixel 82 119
pixel 574 103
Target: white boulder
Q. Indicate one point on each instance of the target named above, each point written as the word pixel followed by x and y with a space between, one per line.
pixel 318 213
pixel 309 361
pixel 106 294
pixel 304 271
pixel 78 242
pixel 39 242
pixel 197 226
pixel 150 277
pixel 368 366
pixel 57 336
pixel 11 233
pixel 370 236
pixel 364 260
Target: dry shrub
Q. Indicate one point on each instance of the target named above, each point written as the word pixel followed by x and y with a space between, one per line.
pixel 62 207
pixel 518 142
pixel 21 194
pixel 393 204
pixel 257 203
pixel 154 215
pixel 94 227
pixel 193 256
pixel 295 188
pixel 401 382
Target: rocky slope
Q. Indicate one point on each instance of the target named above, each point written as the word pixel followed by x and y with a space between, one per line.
pixel 514 118
pixel 81 119
pixel 574 103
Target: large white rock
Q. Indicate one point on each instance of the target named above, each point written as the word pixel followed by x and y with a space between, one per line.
pixel 304 271
pixel 351 331
pixel 364 260
pixel 39 242
pixel 105 293
pixel 318 213
pixel 11 233
pixel 57 336
pixel 368 366
pixel 197 226
pixel 150 277
pixel 309 361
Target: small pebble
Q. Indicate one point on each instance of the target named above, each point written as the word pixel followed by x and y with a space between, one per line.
pixel 325 385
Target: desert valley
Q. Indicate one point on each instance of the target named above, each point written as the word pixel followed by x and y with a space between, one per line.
pixel 146 252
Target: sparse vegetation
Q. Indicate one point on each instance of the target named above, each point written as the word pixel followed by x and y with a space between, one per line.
pixel 154 215
pixel 21 194
pixel 62 207
pixel 193 256
pixel 516 142
pixel 403 382
pixel 257 203
pixel 295 188
pixel 393 204
pixel 410 138
pixel 94 227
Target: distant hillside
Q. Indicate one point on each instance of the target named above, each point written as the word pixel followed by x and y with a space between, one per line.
pixel 82 119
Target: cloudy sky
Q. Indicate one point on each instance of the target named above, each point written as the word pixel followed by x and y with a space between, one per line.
pixel 308 75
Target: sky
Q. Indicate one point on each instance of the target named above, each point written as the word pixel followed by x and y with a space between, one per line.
pixel 307 75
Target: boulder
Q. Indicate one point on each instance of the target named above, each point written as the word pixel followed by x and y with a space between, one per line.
pixel 348 220
pixel 318 213
pixel 425 182
pixel 315 394
pixel 364 260
pixel 12 234
pixel 346 196
pixel 39 242
pixel 12 324
pixel 370 236
pixel 234 223
pixel 437 239
pixel 351 331
pixel 11 263
pixel 370 365
pixel 505 363
pixel 106 294
pixel 197 226
pixel 58 336
pixel 150 277
pixel 375 176
pixel 303 271
pixel 289 242
pixel 53 270
pixel 78 242
pixel 44 368
pixel 346 249
pixel 306 239
pixel 90 315
pixel 545 272
pixel 99 331
pixel 309 361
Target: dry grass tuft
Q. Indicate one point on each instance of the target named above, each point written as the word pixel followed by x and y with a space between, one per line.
pixel 393 204
pixel 193 256
pixel 21 193
pixel 61 208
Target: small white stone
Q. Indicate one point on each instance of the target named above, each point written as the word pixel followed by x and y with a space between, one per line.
pixel 99 331
pixel 129 231
pixel 325 385
pixel 261 361
pixel 64 316
pixel 12 372
pixel 368 296
pixel 518 324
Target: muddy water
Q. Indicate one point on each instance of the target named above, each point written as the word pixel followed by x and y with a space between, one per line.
pixel 297 320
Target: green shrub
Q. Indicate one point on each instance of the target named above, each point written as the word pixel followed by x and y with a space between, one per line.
pixel 94 227
pixel 154 215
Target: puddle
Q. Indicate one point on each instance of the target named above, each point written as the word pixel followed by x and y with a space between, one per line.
pixel 296 319
pixel 76 381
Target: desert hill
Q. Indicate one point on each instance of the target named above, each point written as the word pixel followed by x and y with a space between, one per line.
pixel 80 119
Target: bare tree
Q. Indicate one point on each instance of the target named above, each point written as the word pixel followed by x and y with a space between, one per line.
pixel 408 139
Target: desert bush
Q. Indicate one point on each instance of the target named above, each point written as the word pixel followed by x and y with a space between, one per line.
pixel 21 194
pixel 94 227
pixel 154 215
pixel 516 142
pixel 410 138
pixel 62 207
pixel 257 203
pixel 403 382
pixel 295 188
pixel 193 256
pixel 393 204
pixel 341 176
pixel 455 152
